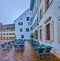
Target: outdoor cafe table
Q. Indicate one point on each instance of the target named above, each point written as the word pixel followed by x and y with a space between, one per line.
pixel 42 48
pixel 35 42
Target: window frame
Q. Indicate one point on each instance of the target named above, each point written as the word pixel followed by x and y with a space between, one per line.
pixel 27 18
pixel 40 34
pixel 21 30
pixel 48 21
pixel 22 36
pixel 20 23
pixel 27 29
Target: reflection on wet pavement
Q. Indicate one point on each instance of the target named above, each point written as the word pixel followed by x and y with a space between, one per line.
pixel 29 54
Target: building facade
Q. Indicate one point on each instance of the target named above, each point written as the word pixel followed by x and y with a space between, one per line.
pixel 48 19
pixel 34 19
pixel 22 25
pixel 7 32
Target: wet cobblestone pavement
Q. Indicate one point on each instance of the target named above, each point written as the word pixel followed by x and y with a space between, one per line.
pixel 29 54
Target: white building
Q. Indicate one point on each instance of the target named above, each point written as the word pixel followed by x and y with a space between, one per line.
pixel 22 25
pixel 48 13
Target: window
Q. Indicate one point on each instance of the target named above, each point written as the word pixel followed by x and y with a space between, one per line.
pixel 27 18
pixel 4 33
pixel 20 29
pixel 28 23
pixel 21 18
pixel 48 31
pixel 41 34
pixel 41 13
pixel 20 23
pixel 7 37
pixel 36 34
pixel 27 29
pixel 22 36
pixel 12 33
pixel 3 37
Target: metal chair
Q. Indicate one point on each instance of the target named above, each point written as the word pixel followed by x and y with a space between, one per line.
pixel 3 47
pixel 47 51
pixel 16 47
pixel 40 53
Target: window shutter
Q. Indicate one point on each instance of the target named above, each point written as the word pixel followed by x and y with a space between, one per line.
pixel 51 31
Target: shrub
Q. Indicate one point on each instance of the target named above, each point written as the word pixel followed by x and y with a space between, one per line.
pixel 31 35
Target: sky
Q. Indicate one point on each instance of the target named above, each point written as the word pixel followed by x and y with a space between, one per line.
pixel 12 9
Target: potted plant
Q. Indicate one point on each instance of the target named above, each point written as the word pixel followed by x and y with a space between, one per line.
pixel 32 36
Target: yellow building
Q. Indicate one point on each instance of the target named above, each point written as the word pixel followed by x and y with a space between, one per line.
pixel 7 32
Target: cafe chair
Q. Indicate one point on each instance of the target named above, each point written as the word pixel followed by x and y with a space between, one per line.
pixel 3 47
pixel 41 53
pixel 47 52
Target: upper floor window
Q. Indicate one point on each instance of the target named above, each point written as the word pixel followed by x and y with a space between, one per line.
pixel 27 29
pixel 20 29
pixel 41 13
pixel 27 18
pixel 20 23
pixel 29 23
pixel 21 18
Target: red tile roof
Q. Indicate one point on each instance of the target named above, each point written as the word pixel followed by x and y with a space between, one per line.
pixel 9 26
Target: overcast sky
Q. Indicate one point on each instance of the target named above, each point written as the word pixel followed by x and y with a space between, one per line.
pixel 12 9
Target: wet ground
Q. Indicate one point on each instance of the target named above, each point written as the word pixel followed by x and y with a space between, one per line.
pixel 29 54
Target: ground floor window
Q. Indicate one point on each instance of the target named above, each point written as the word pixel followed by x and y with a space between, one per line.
pixel 36 34
pixel 22 36
pixel 41 34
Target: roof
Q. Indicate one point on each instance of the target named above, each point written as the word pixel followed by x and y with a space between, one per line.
pixel 22 14
pixel 9 26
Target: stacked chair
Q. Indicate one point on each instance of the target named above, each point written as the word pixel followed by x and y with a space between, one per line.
pixel 19 45
pixel 43 51
pixel 3 46
pixel 47 51
pixel 7 45
pixel 40 51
